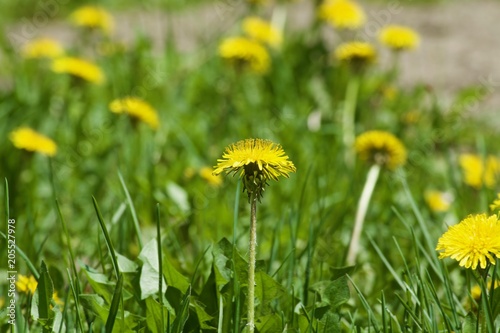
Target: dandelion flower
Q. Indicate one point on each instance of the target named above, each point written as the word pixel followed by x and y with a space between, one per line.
pixel 42 48
pixel 399 37
pixel 137 108
pixel 257 161
pixel 28 139
pixel 381 148
pixel 207 174
pixel 342 14
pixel 496 203
pixel 478 172
pixel 358 53
pixel 475 291
pixel 262 31
pixel 474 241
pixel 93 17
pixel 77 67
pixel 438 201
pixel 246 52
pixel 26 284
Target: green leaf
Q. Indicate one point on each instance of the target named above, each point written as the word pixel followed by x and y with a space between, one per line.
pixel 223 252
pixel 150 271
pixel 470 323
pixel 334 293
pixel 330 323
pixel 269 324
pixel 266 291
pixel 126 265
pixel 495 303
pixel 174 277
pixel 183 313
pixel 115 304
pixel 45 291
pixel 154 314
pixel 203 317
pixel 179 196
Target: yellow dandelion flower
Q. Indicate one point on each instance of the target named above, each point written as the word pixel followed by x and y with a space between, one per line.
pixel 28 139
pixel 342 14
pixel 496 203
pixel 137 108
pixel 26 284
pixel 93 17
pixel 475 291
pixel 381 148
pixel 2 302
pixel 438 201
pixel 56 299
pixel 472 242
pixel 399 38
pixel 478 172
pixel 42 48
pixel 358 53
pixel 80 68
pixel 245 52
pixel 262 31
pixel 207 174
pixel 257 161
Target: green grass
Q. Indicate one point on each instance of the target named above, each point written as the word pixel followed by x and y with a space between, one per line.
pixel 121 203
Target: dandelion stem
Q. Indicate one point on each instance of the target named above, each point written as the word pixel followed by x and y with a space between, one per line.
pixel 349 115
pixel 364 201
pixel 251 261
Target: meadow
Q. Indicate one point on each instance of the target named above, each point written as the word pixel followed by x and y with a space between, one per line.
pixel 273 180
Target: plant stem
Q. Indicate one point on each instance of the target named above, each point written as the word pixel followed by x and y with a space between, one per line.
pixel 348 120
pixel 364 201
pixel 251 262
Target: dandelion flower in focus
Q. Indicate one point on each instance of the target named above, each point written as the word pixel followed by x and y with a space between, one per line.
pixel 342 14
pixel 207 174
pixel 399 37
pixel 257 161
pixel 42 48
pixel 438 201
pixel 93 17
pixel 80 68
pixel 381 148
pixel 478 172
pixel 26 284
pixel 474 241
pixel 262 31
pixel 30 140
pixel 245 52
pixel 357 53
pixel 136 108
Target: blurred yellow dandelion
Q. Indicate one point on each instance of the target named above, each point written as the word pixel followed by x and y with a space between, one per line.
pixel 496 203
pixel 57 299
pixel 438 201
pixel 42 48
pixel 356 52
pixel 93 17
pixel 28 139
pixel 475 291
pixel 381 148
pixel 478 172
pixel 342 14
pixel 474 241
pixel 137 108
pixel 262 31
pixel 245 52
pixel 26 284
pixel 77 67
pixel 399 38
pixel 257 161
pixel 207 174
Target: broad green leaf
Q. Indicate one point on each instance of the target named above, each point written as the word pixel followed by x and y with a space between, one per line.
pixel 333 293
pixel 45 291
pixel 269 324
pixel 223 252
pixel 174 277
pixel 470 323
pixel 126 265
pixel 203 317
pixel 149 280
pixel 153 315
pixel 266 291
pixel 329 323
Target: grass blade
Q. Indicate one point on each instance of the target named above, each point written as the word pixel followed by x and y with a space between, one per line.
pixel 115 305
pixel 132 211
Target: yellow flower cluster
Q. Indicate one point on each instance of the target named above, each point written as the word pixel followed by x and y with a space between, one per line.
pixel 342 14
pixel 80 68
pixel 262 31
pixel 136 108
pixel 30 140
pixel 478 172
pixel 26 284
pixel 438 201
pixel 399 38
pixel 245 52
pixel 93 17
pixel 42 48
pixel 381 148
pixel 356 52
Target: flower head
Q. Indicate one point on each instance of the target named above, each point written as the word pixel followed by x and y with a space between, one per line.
pixel 342 14
pixel 137 108
pixel 399 38
pixel 381 148
pixel 28 139
pixel 474 241
pixel 80 68
pixel 26 284
pixel 256 161
pixel 93 17
pixel 438 201
pixel 245 52
pixel 478 172
pixel 357 53
pixel 207 174
pixel 262 31
pixel 42 48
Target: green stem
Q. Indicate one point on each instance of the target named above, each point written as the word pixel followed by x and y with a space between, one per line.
pixel 251 262
pixel 364 201
pixel 349 116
